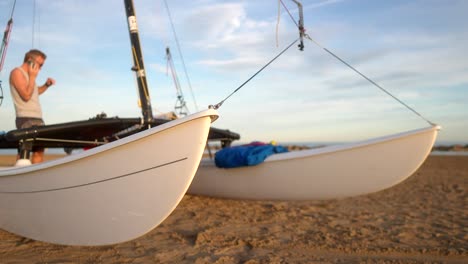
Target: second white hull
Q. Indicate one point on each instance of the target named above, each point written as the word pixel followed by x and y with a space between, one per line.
pixel 324 173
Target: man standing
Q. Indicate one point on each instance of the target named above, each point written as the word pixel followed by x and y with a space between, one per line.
pixel 25 94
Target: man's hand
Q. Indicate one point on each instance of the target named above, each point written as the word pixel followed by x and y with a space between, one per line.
pixel 49 82
pixel 33 69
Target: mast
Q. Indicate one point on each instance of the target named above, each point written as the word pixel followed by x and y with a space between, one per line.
pixel 4 46
pixel 6 37
pixel 138 66
pixel 180 106
pixel 300 25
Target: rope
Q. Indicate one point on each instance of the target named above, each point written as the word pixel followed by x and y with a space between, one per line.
pixel 369 80
pixel 218 105
pixel 180 54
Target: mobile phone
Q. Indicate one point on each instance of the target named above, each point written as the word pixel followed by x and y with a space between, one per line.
pixel 32 64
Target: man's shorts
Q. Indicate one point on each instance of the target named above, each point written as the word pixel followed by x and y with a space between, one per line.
pixel 27 122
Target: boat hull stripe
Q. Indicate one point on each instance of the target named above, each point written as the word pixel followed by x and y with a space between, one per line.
pixel 96 182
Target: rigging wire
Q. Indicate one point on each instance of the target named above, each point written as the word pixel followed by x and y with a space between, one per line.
pixel 369 80
pixel 303 34
pixel 216 106
pixel 38 39
pixel 299 25
pixel 290 15
pixel 180 54
pixel 34 24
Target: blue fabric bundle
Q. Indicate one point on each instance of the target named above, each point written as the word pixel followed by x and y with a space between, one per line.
pixel 245 155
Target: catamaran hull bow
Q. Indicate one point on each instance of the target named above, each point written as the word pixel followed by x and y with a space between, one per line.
pixel 324 173
pixel 108 194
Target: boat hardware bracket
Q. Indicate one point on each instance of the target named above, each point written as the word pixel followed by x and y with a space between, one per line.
pixel 1 93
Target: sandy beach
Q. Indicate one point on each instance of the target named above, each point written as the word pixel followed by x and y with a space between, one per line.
pixel 422 220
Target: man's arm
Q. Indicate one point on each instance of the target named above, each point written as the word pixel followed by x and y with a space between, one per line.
pixel 46 85
pixel 24 88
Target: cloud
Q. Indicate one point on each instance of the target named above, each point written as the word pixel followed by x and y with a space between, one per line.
pixel 209 21
pixel 159 68
pixel 232 64
pixel 319 4
pixel 420 57
pixel 231 39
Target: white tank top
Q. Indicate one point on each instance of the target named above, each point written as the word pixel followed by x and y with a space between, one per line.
pixel 31 108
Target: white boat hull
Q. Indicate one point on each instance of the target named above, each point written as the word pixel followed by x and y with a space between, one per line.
pixel 323 173
pixel 108 194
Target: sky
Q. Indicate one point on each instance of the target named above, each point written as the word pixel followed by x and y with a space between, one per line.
pixel 416 50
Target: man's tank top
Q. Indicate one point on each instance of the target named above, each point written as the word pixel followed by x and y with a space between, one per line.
pixel 31 108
